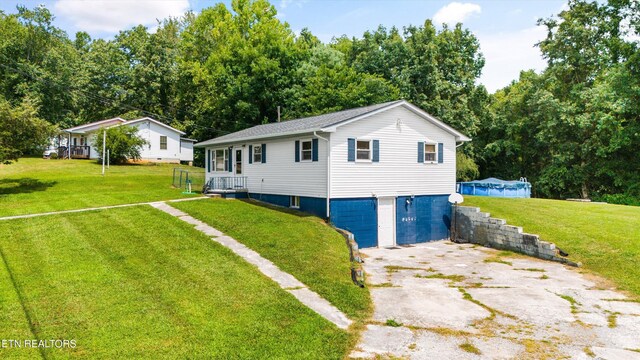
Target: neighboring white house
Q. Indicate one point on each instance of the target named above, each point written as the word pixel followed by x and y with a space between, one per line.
pixel 164 143
pixel 383 172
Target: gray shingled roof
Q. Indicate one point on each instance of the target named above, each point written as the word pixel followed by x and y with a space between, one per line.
pixel 312 123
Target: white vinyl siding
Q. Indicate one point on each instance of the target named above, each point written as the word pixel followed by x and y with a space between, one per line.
pixel 186 150
pixel 281 175
pixel 152 133
pixel 398 172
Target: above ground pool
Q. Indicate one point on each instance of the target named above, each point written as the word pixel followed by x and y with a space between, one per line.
pixel 496 187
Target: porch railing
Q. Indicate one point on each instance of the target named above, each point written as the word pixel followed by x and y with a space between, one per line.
pixel 77 152
pixel 227 183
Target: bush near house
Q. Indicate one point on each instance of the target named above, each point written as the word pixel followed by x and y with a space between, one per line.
pixel 123 143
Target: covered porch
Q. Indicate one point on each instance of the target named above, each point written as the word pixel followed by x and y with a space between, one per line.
pixel 74 152
pixel 73 145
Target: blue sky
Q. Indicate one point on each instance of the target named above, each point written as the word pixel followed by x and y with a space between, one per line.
pixel 506 29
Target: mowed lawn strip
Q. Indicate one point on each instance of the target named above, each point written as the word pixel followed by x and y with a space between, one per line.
pixel 13 319
pixel 299 244
pixel 604 237
pixel 139 283
pixel 33 185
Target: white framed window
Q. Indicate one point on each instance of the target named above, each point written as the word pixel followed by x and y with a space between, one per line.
pixel 257 154
pixel 306 150
pixel 220 160
pixel 294 202
pixel 363 150
pixel 163 142
pixel 430 152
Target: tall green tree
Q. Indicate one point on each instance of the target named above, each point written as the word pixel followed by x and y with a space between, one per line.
pixel 21 130
pixel 238 64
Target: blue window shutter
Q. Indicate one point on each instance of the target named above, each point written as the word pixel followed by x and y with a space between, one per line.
pixel 351 151
pixel 314 150
pixel 376 151
pixel 440 153
pixel 250 154
pixel 297 151
pixel 420 151
pixel 264 153
pixel 230 159
pixel 209 160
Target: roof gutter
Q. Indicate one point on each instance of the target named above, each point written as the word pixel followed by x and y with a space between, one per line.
pixel 270 136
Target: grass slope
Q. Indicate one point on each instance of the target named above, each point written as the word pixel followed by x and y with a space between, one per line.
pixel 34 185
pixel 604 237
pixel 138 283
pixel 13 316
pixel 299 244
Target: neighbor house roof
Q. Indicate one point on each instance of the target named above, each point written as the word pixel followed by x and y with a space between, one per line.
pixel 113 122
pixel 95 125
pixel 155 122
pixel 325 123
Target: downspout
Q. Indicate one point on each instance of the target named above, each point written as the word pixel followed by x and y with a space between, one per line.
pixel 315 133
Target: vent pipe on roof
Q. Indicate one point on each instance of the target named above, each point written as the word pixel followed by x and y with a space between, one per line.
pixel 278 113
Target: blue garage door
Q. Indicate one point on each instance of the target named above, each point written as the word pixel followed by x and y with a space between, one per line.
pixel 422 218
pixel 359 216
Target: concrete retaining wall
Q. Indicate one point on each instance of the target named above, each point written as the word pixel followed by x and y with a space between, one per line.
pixel 476 227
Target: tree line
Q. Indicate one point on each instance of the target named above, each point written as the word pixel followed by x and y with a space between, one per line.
pixel 572 130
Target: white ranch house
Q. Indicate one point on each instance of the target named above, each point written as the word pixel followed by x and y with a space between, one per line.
pixel 164 143
pixel 383 172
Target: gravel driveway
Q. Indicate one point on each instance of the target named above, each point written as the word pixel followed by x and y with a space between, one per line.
pixel 442 300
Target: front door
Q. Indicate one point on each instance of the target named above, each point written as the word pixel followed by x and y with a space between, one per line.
pixel 238 162
pixel 386 221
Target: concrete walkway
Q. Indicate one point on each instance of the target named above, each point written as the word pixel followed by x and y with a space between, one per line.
pixel 447 301
pixel 285 280
pixel 94 208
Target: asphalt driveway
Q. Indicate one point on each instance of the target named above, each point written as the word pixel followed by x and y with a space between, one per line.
pixel 443 300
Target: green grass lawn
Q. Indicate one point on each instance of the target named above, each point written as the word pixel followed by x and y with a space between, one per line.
pixel 33 185
pixel 604 237
pixel 299 244
pixel 138 283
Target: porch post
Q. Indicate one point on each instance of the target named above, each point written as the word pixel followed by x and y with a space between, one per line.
pixel 69 147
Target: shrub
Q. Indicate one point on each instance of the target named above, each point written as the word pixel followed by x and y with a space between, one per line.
pixel 123 144
pixel 53 156
pixel 466 168
pixel 620 199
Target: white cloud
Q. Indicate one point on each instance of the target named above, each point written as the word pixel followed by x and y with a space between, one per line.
pixel 114 15
pixel 456 12
pixel 507 54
